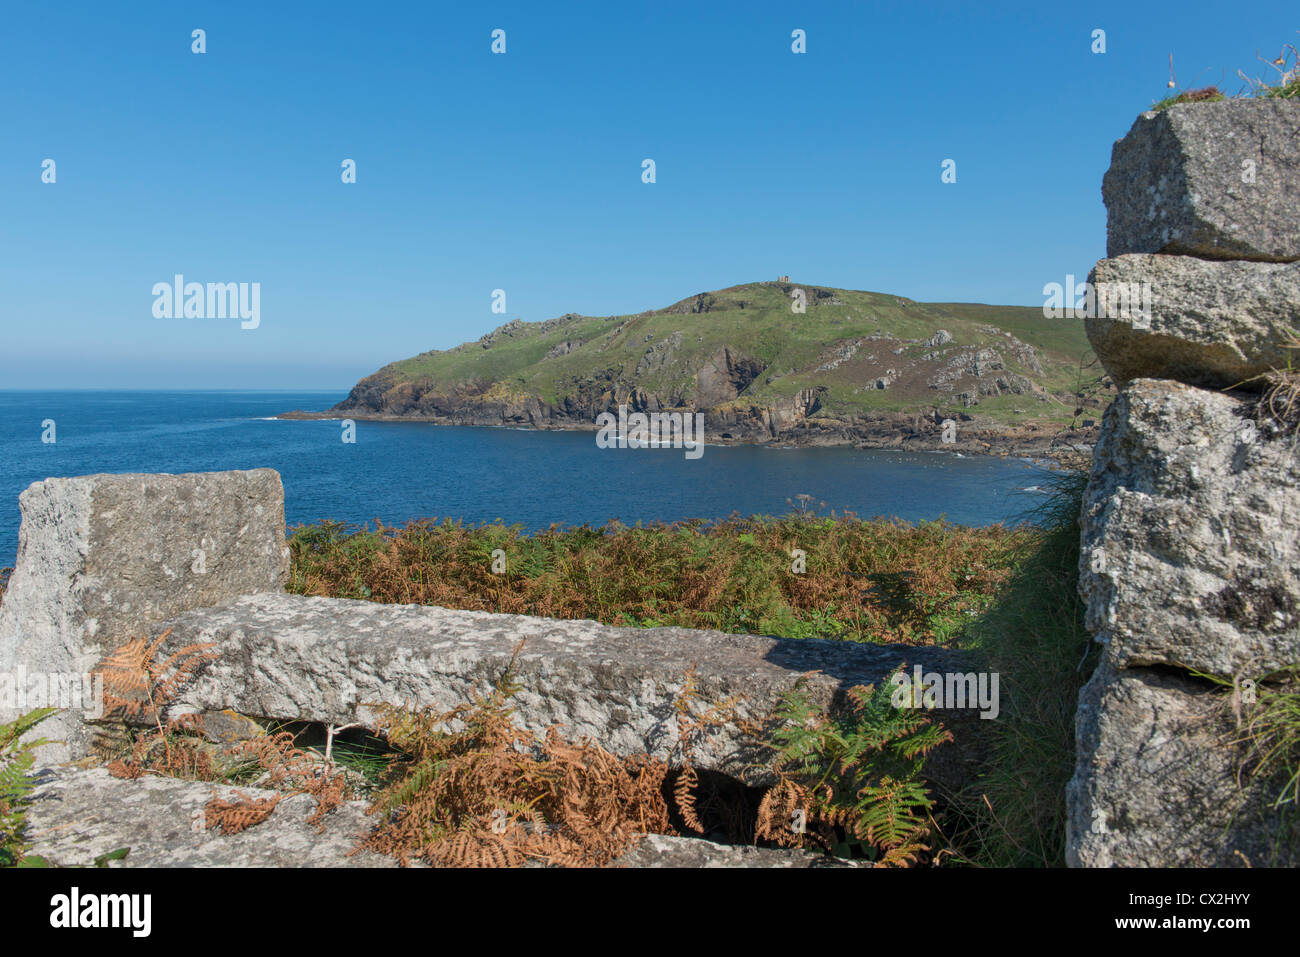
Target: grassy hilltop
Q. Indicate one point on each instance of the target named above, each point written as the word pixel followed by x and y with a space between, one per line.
pixel 855 367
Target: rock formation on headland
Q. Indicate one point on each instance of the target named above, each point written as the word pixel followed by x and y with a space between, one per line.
pixel 1190 563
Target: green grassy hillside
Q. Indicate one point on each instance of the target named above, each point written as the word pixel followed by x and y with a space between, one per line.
pixel 741 350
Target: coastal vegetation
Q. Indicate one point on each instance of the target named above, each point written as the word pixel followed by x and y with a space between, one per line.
pixel 1003 593
pixel 855 580
pixel 1033 635
pixel 1281 82
pixel 16 760
pixel 1007 594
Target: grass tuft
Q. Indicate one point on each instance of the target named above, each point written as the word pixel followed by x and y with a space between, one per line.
pixel 1285 85
pixel 1281 398
pixel 1208 94
pixel 1034 638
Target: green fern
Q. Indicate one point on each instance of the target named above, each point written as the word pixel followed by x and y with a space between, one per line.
pixel 16 760
pixel 856 773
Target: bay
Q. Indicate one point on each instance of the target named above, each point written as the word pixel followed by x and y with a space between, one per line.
pixel 397 471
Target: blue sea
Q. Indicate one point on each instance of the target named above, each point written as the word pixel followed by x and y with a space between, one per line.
pixel 398 471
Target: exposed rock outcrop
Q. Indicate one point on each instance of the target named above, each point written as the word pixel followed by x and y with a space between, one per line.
pixel 80 815
pixel 764 422
pixel 725 375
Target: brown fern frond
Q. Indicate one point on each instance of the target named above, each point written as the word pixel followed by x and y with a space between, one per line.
pixel 125 674
pixel 140 686
pixel 233 816
pixel 295 771
pixel 136 686
pixel 493 794
pixel 776 813
pixel 331 793
pixel 684 793
pixel 903 855
pixel 128 770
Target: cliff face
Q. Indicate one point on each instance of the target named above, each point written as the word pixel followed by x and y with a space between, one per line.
pixel 765 362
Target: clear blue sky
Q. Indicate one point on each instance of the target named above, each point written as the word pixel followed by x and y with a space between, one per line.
pixel 523 171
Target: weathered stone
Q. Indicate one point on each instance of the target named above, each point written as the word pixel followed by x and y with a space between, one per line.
pixel 229 727
pixel 1189 564
pixel 1156 783
pixel 287 657
pixel 660 850
pixel 77 816
pixel 1210 324
pixel 1190 556
pixel 1219 180
pixel 100 557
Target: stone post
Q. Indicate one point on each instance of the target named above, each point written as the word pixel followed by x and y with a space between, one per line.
pixel 101 557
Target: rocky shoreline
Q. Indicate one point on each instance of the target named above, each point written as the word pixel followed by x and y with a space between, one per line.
pixel 911 432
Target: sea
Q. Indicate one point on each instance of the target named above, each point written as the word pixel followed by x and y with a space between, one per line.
pixel 398 471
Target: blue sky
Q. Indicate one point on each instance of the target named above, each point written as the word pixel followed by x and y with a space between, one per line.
pixel 522 171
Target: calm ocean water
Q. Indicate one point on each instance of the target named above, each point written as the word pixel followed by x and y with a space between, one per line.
pixel 399 471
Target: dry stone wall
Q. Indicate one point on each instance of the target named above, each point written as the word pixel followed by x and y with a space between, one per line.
pixel 1190 563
